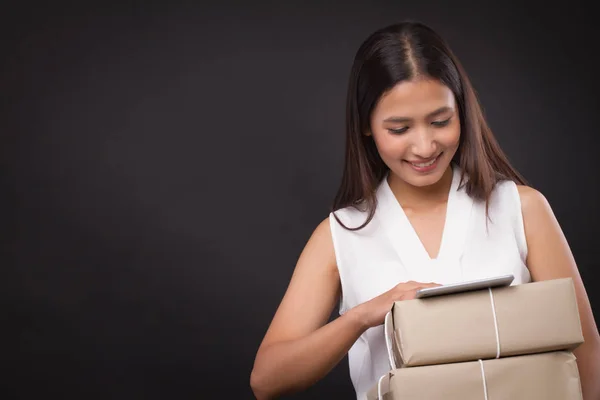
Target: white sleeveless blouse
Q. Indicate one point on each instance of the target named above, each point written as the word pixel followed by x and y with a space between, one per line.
pixel 388 251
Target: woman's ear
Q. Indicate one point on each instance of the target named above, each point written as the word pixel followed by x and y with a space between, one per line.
pixel 368 133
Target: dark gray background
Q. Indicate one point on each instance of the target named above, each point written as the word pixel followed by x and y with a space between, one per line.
pixel 163 166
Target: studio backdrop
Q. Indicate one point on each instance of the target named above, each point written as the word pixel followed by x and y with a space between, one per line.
pixel 164 164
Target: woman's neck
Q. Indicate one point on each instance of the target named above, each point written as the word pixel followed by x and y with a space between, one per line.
pixel 410 196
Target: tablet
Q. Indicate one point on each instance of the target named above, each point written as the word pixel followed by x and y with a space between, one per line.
pixel 504 280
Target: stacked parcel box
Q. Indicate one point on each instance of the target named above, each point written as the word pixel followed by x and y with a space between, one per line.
pixel 511 342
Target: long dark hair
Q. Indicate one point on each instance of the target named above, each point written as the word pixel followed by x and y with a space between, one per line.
pixel 391 55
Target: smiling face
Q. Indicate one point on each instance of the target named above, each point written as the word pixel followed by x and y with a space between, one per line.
pixel 416 129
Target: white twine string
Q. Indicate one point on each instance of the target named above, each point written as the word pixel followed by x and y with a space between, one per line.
pixel 389 340
pixel 485 394
pixel 495 324
pixel 379 394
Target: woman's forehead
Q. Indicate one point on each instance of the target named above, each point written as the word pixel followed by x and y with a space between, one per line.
pixel 415 99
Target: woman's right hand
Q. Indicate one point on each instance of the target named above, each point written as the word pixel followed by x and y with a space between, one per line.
pixel 372 313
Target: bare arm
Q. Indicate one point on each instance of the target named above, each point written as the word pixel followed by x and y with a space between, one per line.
pixel 298 348
pixel 549 257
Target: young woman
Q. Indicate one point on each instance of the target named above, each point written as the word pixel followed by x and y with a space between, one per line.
pixel 427 198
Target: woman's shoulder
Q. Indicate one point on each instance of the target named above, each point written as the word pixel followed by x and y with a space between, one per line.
pixel 511 198
pixel 534 204
pixel 526 195
pixel 530 197
pixel 531 203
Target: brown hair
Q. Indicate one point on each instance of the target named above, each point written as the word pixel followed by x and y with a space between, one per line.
pixel 394 54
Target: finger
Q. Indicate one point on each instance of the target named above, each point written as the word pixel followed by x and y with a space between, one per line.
pixel 409 285
pixel 404 285
pixel 410 295
pixel 407 294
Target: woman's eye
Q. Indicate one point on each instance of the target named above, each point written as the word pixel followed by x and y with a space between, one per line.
pixel 398 130
pixel 441 123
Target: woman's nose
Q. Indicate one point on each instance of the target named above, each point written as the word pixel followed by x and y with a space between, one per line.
pixel 424 145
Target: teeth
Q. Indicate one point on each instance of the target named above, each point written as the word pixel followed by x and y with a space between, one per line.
pixel 423 165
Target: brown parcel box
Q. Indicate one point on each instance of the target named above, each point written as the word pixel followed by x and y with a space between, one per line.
pixel 547 376
pixel 531 318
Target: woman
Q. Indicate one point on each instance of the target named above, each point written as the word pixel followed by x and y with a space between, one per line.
pixel 427 198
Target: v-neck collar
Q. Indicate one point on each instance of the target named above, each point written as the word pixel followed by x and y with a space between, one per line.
pixel 404 237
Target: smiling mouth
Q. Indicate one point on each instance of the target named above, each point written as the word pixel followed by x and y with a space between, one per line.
pixel 426 163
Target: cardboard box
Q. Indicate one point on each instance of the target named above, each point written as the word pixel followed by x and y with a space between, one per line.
pixel 530 318
pixel 547 376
